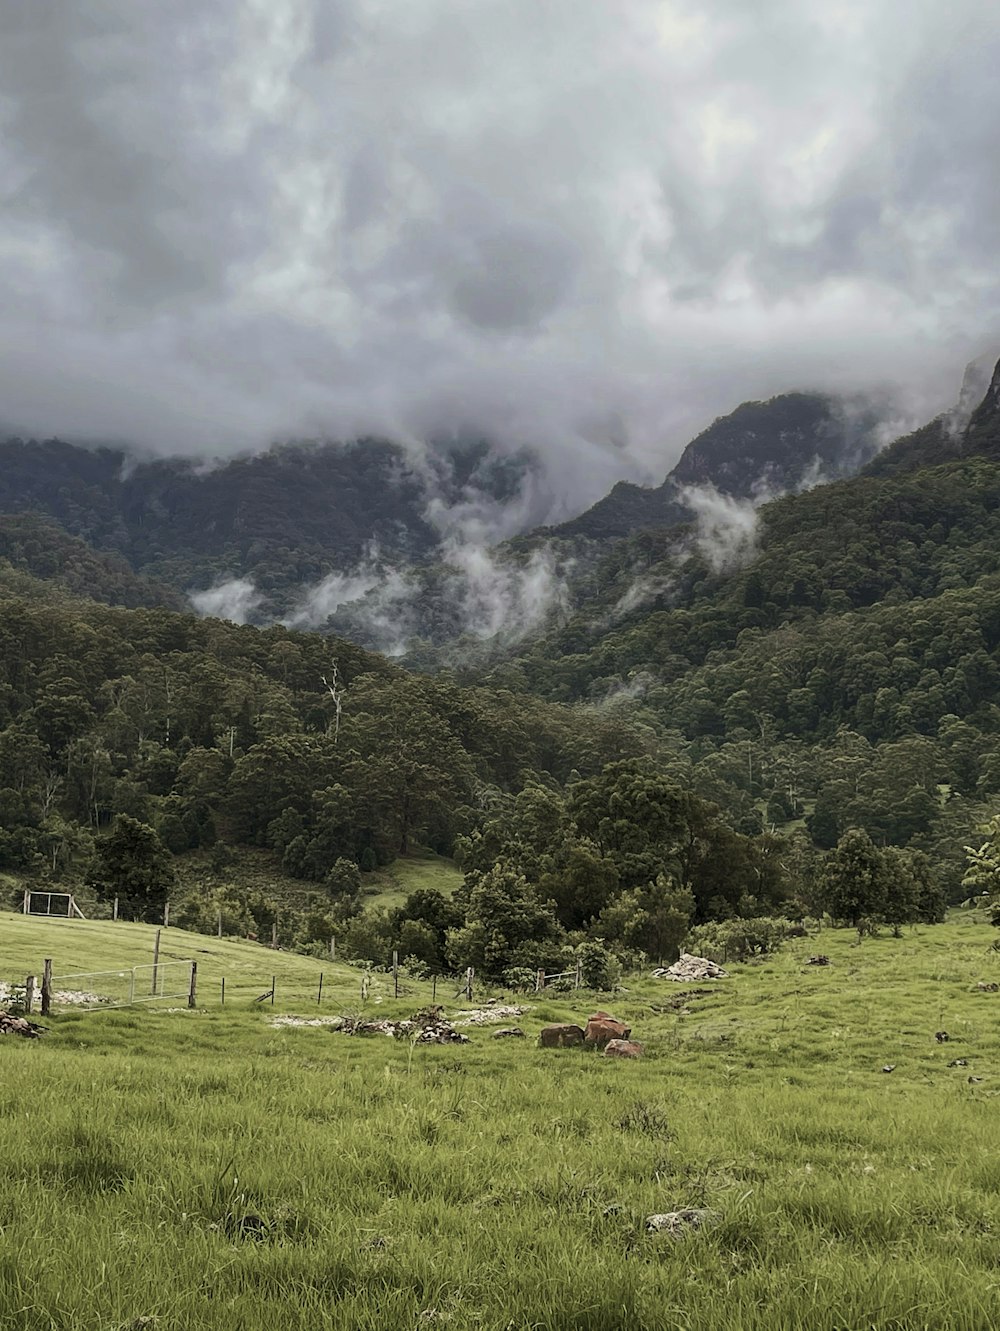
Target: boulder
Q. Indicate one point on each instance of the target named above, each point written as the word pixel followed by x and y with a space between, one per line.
pixel 602 1028
pixel 555 1037
pixel 623 1049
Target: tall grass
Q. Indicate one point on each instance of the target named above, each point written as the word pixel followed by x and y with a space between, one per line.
pixel 208 1170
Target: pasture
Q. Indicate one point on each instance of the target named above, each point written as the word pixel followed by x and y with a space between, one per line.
pixel 177 1169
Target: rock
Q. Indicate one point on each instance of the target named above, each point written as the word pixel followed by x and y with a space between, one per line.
pixel 509 1032
pixel 987 988
pixel 820 960
pixel 959 1063
pixel 679 1223
pixel 973 1080
pixel 623 1049
pixel 602 1028
pixel 942 1037
pixel 19 1026
pixel 556 1037
pixel 889 1067
pixel 691 968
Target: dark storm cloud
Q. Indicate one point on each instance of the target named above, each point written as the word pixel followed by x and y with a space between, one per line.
pixel 589 228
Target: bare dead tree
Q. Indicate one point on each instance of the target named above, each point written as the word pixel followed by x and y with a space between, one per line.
pixel 335 687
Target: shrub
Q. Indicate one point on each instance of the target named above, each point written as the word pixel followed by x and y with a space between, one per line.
pixel 738 939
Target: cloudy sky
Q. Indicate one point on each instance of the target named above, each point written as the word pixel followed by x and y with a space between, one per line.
pixel 591 225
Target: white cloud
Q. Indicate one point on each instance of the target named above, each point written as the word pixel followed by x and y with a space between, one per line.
pixel 586 228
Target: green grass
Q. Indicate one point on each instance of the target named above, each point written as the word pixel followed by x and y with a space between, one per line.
pixel 423 869
pixel 209 1170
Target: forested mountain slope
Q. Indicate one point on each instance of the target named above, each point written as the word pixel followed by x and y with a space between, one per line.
pixel 844 665
pixel 761 447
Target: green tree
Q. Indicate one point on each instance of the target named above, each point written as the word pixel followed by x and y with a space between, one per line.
pixel 132 863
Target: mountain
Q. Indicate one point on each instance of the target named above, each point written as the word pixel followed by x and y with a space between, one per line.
pixel 287 517
pixel 760 448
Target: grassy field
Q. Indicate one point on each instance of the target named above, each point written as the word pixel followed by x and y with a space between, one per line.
pixel 177 1170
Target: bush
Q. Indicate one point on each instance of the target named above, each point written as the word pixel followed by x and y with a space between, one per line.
pixel 599 967
pixel 738 939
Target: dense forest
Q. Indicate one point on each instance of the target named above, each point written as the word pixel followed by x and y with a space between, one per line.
pixel 729 733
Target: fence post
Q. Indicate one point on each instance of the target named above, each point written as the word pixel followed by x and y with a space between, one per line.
pixel 274 934
pixel 156 960
pixel 29 994
pixel 131 986
pixel 46 986
pixel 578 980
pixel 434 989
pixel 223 991
pixel 395 974
pixel 319 996
pixel 469 974
pixel 26 902
pixel 220 923
pixel 539 982
pixel 193 990
pixel 272 991
pixel 333 947
pixel 114 912
pixel 166 915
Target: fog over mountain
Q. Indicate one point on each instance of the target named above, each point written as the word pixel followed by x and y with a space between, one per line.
pixel 588 229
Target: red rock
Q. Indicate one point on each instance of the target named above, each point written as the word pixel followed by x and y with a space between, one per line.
pixel 603 1027
pixel 555 1037
pixel 623 1049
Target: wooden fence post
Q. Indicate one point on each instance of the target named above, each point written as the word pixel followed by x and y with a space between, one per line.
pixel 156 960
pixel 274 934
pixel 434 989
pixel 223 991
pixel 220 923
pixel 25 902
pixel 395 974
pixel 272 991
pixel 469 976
pixel 333 947
pixel 539 981
pixel 193 989
pixel 114 910
pixel 319 996
pixel 578 981
pixel 29 994
pixel 166 915
pixel 47 986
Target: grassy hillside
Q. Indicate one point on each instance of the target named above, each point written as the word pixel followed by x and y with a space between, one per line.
pixel 209 1169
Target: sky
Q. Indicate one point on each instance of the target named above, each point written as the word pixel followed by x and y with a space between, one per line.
pixel 589 228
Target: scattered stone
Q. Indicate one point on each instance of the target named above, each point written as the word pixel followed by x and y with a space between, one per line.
pixel 509 1032
pixel 678 1223
pixel 821 959
pixel 332 1023
pixel 15 1025
pixel 959 1063
pixel 19 1026
pixel 942 1037
pixel 974 1079
pixel 602 1028
pixel 556 1037
pixel 623 1049
pixel 889 1067
pixel 986 988
pixel 490 1012
pixel 421 1030
pixel 691 968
